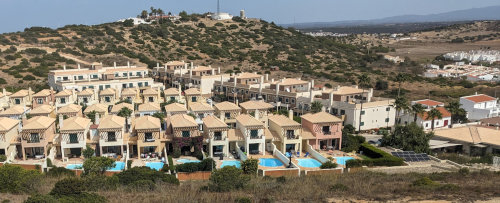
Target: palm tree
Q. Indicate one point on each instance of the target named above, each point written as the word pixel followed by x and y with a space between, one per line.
pixel 160 12
pixel 433 114
pixel 400 78
pixel 124 112
pixel 417 109
pixel 153 11
pixel 316 106
pixel 457 113
pixel 400 104
pixel 144 14
pixel 364 81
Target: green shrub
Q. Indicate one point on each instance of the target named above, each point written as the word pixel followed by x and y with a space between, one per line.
pixel 327 165
pixel 171 164
pixel 14 179
pixel 243 200
pixel 97 165
pixel 60 171
pixel 464 171
pixel 49 162
pixel 38 198
pixel 95 182
pixel 129 164
pixel 339 187
pixel 188 167
pixel 68 186
pixel 88 151
pixel 83 197
pixel 165 168
pixel 424 182
pixel 207 165
pixel 281 179
pixel 3 81
pixel 3 158
pixel 142 185
pixel 198 154
pixel 227 179
pixel 250 166
pixel 176 153
pixel 135 174
pixel 29 77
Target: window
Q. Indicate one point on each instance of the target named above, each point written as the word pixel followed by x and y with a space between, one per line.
pixel 254 134
pixel 85 100
pixel 139 84
pixel 227 115
pixel 172 98
pixel 326 130
pixel 124 74
pixel 387 120
pixel 151 99
pixel 363 112
pixel 108 86
pixel 131 85
pixel 186 134
pixel 290 134
pixel 342 112
pixel 93 76
pixel 217 135
pixel 117 75
pixel 293 101
pixel 362 124
pixel 193 99
pixel 39 101
pixel 80 77
pixel 107 99
pixel 17 101
pixel 146 83
pixel 63 100
pixel 388 109
pixel 34 137
pixel 73 138
pixel 139 74
pixel 111 136
pixel 148 137
pixel 124 85
pixel 65 78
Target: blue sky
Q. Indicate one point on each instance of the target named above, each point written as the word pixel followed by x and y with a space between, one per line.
pixel 15 15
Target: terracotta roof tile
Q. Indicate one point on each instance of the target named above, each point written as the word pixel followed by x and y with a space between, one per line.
pixel 480 98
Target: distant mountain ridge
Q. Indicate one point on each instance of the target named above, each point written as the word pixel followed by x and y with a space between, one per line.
pixel 485 13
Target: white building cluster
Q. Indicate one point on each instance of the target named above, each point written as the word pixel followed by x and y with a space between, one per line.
pixel 472 72
pixel 490 56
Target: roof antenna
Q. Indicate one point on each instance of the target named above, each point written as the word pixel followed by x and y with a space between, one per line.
pixel 218 7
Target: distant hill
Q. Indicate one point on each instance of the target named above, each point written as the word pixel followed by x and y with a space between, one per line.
pixel 485 13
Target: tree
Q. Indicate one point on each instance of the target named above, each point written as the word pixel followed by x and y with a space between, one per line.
pixel 91 116
pixel 417 109
pixel 381 85
pixel 400 78
pixel 160 12
pixel 227 178
pixel 316 106
pixel 125 112
pixel 409 138
pixel 250 166
pixel 153 11
pixel 144 14
pixel 400 104
pixel 97 165
pixel 433 114
pixel 458 114
pixel 128 23
pixel 88 152
pixel 14 179
pixel 364 81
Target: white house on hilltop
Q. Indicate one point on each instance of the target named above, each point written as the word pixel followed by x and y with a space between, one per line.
pixel 480 106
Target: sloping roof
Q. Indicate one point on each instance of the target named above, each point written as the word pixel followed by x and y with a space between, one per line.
pixel 21 93
pixel 85 92
pixel 227 106
pixel 70 108
pixel 429 102
pixel 108 91
pixel 479 98
pixel 43 109
pixel 307 135
pixel 111 122
pixel 283 121
pixel 247 75
pixel 147 122
pixel 97 108
pixel 192 91
pixel 248 120
pixel 7 123
pixel 202 68
pixel 149 107
pixel 344 90
pixel 42 93
pixel 14 110
pixel 150 91
pixel 253 105
pixel 64 93
pixel 235 135
pixel 182 120
pixel 198 106
pixel 175 63
pixel 129 91
pixel 171 92
pixel 38 122
pixel 321 117
pixel 7 94
pixel 175 107
pixel 75 123
pixel 213 122
pixel 445 113
pixel 290 81
pixel 491 121
pixel 463 134
pixel 118 107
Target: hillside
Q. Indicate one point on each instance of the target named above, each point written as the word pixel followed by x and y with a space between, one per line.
pixel 243 45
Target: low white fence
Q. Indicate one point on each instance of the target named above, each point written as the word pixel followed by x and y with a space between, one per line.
pixel 282 157
pixel 242 155
pixel 458 125
pixel 316 154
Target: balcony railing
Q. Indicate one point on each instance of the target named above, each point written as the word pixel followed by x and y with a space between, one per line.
pixel 256 137
pixel 327 132
pixel 219 138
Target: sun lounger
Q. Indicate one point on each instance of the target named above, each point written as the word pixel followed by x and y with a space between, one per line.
pixel 307 154
pixel 298 154
pixel 287 154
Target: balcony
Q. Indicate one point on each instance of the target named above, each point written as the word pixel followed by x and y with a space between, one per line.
pixel 327 132
pixel 219 138
pixel 256 137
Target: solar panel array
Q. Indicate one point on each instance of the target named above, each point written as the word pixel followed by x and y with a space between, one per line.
pixel 411 156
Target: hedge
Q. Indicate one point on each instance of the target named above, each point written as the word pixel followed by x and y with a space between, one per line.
pixel 205 165
pixel 378 158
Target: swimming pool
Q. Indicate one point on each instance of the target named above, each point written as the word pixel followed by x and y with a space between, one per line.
pixel 119 166
pixel 342 159
pixel 155 165
pixel 187 161
pixel 235 163
pixel 309 163
pixel 270 162
pixel 74 166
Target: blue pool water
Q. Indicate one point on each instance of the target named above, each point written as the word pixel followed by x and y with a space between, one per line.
pixel 119 166
pixel 309 163
pixel 187 161
pixel 237 164
pixel 74 166
pixel 342 159
pixel 270 162
pixel 155 165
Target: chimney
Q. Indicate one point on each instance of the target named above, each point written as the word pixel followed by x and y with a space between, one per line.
pixel 97 119
pixel 64 67
pixel 323 109
pixel 235 80
pixel 180 90
pixel 311 96
pixel 237 102
pixel 331 99
pixel 272 79
pixel 290 114
pixel 157 66
pixel 260 85
pixel 185 66
pixel 218 70
pixel 277 89
pixel 61 121
pixel 257 114
pixel 96 97
pixel 192 66
pixel 312 84
pixel 267 77
pixel 128 64
pixel 114 64
pixel 213 71
pixel 78 66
